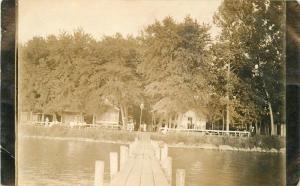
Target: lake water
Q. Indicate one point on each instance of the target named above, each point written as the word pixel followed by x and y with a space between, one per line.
pixel 45 162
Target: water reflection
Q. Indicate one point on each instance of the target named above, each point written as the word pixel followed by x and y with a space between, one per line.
pixel 227 168
pixel 54 162
pixel 65 163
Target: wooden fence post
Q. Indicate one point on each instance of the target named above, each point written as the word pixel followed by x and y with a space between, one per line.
pixel 180 177
pixel 99 173
pixel 113 160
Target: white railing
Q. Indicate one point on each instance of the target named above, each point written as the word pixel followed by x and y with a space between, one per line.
pixel 208 132
pixel 108 124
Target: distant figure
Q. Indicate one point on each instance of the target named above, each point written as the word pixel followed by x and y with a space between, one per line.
pixel 252 130
pixel 165 130
pixel 163 124
pixel 46 121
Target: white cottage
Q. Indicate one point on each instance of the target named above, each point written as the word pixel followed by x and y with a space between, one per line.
pixel 110 116
pixel 192 120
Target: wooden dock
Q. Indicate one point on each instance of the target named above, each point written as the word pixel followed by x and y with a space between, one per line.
pixel 143 163
pixel 142 167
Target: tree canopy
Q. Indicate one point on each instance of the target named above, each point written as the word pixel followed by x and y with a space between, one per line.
pixel 172 67
pixel 253 33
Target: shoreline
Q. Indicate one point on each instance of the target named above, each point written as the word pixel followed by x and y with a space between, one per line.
pixel 227 148
pixel 75 139
pixel 171 145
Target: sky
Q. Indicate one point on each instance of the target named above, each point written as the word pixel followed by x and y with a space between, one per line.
pixel 106 17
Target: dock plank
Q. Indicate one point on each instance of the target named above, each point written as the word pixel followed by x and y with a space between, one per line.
pixel 142 167
pixel 147 173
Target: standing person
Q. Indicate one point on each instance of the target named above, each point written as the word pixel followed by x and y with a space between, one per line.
pixel 252 130
pixel 46 121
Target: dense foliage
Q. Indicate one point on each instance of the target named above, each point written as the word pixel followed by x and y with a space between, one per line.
pixel 171 66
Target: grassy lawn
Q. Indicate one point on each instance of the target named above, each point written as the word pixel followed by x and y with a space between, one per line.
pixel 264 142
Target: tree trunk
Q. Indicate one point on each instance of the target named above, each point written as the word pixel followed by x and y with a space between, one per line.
pixel 227 96
pixel 223 120
pixel 62 118
pixel 178 122
pixel 267 130
pixel 126 115
pixel 93 119
pixel 227 118
pixel 256 127
pixel 270 110
pixel 81 117
pixel 31 116
pixel 54 119
pixel 271 119
pixel 123 116
pixel 282 129
pixel 154 121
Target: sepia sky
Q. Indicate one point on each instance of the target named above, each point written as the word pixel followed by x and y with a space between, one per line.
pixel 106 17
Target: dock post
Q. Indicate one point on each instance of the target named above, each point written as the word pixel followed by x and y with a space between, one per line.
pixel 180 177
pixel 161 154
pixel 166 150
pixel 99 173
pixel 126 153
pixel 113 160
pixel 157 152
pixel 123 155
pixel 169 169
pixel 164 156
pixel 131 145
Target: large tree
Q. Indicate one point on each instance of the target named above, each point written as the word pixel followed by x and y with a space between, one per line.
pixel 253 31
pixel 174 65
pixel 52 77
pixel 74 72
pixel 113 76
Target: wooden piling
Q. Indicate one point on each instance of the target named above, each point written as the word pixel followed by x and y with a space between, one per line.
pixel 123 156
pixel 99 173
pixel 165 150
pixel 164 155
pixel 161 154
pixel 169 169
pixel 164 158
pixel 157 152
pixel 126 153
pixel 131 145
pixel 180 177
pixel 113 160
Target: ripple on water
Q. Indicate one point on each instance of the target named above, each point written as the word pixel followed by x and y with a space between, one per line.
pixel 68 163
